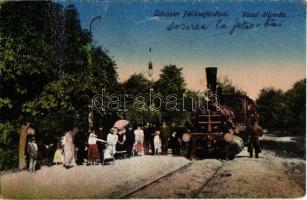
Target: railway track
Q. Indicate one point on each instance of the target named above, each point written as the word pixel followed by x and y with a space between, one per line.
pixel 126 196
pixel 196 193
pixel 185 182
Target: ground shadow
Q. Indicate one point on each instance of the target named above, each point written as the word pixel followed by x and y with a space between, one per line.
pixel 289 149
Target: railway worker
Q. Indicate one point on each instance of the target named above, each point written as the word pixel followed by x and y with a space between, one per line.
pixel 164 135
pixel 255 131
pixel 186 138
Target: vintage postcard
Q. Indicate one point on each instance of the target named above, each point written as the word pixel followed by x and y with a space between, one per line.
pixel 156 99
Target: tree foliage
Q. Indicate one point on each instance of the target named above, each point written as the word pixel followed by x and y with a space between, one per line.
pixel 171 81
pixel 271 105
pixel 49 70
pixel 137 84
pixel 229 88
pixel 138 108
pixel 170 84
pixel 283 111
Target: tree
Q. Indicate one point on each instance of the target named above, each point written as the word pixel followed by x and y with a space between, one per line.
pixel 44 71
pixel 296 104
pixel 138 112
pixel 171 81
pixel 104 71
pixel 137 84
pixel 170 84
pixel 272 108
pixel 229 88
pixel 26 60
pixel 283 111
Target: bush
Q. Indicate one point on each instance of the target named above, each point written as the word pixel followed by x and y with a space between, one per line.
pixel 8 146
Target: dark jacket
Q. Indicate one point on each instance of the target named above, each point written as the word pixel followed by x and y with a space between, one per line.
pixel 164 132
pixel 255 132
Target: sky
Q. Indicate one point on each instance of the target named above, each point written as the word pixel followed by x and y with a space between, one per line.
pixel 254 58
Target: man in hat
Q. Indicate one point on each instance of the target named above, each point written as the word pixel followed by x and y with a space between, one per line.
pixel 255 131
pixel 32 151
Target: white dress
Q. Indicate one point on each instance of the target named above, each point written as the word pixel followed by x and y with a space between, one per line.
pixel 111 146
pixel 139 139
pixel 139 136
pixel 157 143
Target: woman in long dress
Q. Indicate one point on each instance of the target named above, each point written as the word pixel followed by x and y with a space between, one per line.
pixel 93 155
pixel 69 150
pixel 157 143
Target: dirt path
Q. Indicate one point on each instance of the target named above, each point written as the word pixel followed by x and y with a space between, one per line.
pixel 111 181
pixel 246 177
pixel 269 176
pixel 266 177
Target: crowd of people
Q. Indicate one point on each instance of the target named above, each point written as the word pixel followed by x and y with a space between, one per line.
pixel 96 146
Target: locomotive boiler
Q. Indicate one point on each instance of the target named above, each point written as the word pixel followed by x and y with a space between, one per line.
pixel 220 128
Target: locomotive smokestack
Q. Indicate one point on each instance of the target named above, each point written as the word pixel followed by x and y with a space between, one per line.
pixel 211 73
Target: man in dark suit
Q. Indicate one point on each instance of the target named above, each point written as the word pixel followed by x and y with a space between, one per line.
pixel 130 138
pixel 147 135
pixel 165 135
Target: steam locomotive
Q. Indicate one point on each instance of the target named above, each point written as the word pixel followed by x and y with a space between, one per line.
pixel 220 128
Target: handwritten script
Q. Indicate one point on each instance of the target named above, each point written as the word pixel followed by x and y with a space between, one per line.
pixel 247 21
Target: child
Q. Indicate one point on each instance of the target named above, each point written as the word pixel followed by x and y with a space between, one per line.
pixel 157 143
pixel 32 150
pixel 58 156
